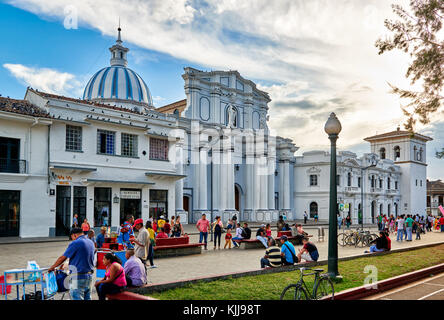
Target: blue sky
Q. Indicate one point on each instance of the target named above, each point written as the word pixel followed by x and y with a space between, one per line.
pixel 312 57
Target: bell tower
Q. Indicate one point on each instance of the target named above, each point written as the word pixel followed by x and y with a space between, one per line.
pixel 407 150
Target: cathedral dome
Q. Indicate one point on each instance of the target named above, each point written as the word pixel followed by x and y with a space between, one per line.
pixel 118 85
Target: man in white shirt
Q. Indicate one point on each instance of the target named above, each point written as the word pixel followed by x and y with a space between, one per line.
pixel 400 223
pixel 142 242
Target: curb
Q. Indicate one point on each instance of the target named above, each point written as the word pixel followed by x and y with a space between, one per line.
pixel 158 287
pixel 387 284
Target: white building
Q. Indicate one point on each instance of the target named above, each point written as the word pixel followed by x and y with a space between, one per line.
pixel 112 153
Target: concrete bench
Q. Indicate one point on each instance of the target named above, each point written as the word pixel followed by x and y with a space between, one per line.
pixel 173 247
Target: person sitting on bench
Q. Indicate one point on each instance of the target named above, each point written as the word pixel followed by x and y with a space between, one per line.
pixel 135 272
pixel 260 235
pixel 288 253
pixel 246 232
pixel 272 256
pixel 380 243
pixel 309 252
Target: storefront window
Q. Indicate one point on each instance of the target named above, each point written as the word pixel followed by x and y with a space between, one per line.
pixel 158 203
pixel 9 213
pixel 79 205
pixel 130 204
pixel 102 207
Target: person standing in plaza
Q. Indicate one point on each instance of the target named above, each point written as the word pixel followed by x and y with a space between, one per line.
pixel 142 241
pixel 228 238
pixel 167 227
pixel 305 217
pixel 202 225
pixel 151 232
pixel 348 221
pixel 126 232
pixel 177 227
pixel 409 226
pixel 100 239
pixel 339 221
pixel 400 224
pixel 441 223
pixel 75 221
pixel 80 253
pixel 217 229
pixel 85 226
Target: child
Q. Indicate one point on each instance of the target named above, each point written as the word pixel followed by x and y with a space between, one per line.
pixel 167 227
pixel 418 231
pixel 228 237
pixel 268 230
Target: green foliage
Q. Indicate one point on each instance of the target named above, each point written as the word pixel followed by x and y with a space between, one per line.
pixel 416 33
pixel 270 286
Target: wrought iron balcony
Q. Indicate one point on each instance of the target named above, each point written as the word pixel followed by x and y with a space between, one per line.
pixel 12 165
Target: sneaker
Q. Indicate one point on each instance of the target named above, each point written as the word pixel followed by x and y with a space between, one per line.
pixel 153 266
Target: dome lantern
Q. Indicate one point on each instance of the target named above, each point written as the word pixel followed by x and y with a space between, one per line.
pixel 117 84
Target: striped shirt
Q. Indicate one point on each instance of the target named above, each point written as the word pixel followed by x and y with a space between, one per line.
pixel 274 256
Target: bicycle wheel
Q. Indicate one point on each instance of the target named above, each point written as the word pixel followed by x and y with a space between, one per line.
pixel 342 237
pixel 324 288
pixel 350 240
pixel 294 292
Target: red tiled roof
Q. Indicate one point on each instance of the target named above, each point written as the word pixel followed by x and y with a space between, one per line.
pixel 22 107
pixel 398 133
pixel 92 103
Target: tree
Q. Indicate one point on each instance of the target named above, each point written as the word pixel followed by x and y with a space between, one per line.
pixel 417 33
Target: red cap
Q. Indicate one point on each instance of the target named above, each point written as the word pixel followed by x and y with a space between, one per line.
pixel 137 222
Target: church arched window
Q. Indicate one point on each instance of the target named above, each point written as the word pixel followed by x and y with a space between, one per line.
pixel 397 151
pixel 382 153
pixel 349 179
pixel 420 154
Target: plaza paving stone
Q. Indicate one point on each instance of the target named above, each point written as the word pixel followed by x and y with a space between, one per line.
pixel 210 262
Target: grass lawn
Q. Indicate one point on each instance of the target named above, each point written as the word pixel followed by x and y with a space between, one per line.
pixel 270 286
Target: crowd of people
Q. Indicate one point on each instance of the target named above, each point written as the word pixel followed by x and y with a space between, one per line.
pixel 139 240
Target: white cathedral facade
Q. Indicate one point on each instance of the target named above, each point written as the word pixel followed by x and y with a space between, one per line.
pixel 112 153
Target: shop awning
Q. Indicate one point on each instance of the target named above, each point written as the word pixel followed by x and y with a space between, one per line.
pixel 100 181
pixel 165 175
pixel 72 169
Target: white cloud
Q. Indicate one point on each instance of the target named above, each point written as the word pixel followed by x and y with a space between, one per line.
pixel 320 53
pixel 45 79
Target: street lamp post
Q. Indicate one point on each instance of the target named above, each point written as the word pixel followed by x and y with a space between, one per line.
pixel 333 128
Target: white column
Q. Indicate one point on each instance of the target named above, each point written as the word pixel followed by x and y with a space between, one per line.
pixel 271 170
pixel 256 182
pixel 145 203
pixel 286 191
pixel 179 170
pixel 264 184
pixel 230 180
pixel 249 184
pixel 203 204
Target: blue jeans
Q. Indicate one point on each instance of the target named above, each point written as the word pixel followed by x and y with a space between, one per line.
pixel 80 289
pixel 263 240
pixel 409 233
pixel 204 236
pixel 235 242
pixel 442 228
pixel 374 249
pixel 400 235
pixel 264 263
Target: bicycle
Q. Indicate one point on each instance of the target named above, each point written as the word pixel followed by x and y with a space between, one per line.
pixel 322 287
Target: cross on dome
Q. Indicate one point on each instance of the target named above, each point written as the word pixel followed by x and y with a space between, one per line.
pixel 118 51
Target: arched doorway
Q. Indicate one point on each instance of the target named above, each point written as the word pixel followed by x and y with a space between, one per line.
pixel 236 198
pixel 396 209
pixel 389 210
pixel 186 207
pixel 359 214
pixel 313 209
pixel 373 211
